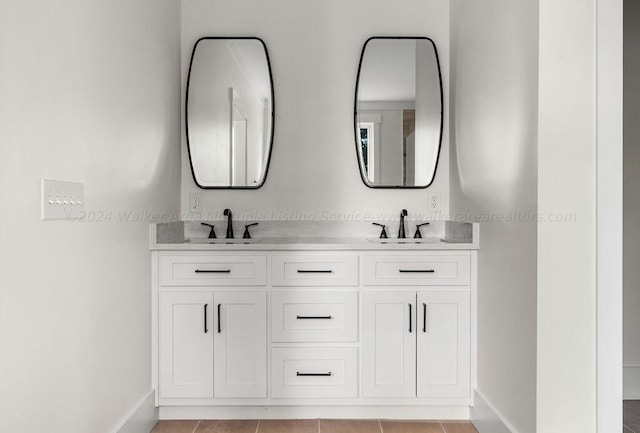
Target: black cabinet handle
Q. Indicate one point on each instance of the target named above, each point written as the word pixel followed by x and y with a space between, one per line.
pixel 416 271
pixel 213 271
pixel 410 319
pixel 314 317
pixel 205 318
pixel 313 271
pixel 313 374
pixel 219 326
pixel 424 317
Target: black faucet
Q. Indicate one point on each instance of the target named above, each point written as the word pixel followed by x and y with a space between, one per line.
pixel 401 234
pixel 227 213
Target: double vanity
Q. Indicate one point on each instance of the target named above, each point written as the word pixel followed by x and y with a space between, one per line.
pixel 322 318
pixel 296 326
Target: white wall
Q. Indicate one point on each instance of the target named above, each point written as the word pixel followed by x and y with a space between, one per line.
pixel 609 213
pixel 494 63
pixel 632 198
pixel 566 385
pixel 314 48
pixel 89 93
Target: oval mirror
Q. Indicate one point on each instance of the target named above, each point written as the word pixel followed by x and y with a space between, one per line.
pixel 229 112
pixel 398 112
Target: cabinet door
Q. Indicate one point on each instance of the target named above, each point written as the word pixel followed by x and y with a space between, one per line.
pixel 389 344
pixel 240 344
pixel 443 344
pixel 186 345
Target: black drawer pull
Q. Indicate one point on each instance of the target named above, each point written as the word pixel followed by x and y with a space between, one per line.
pixel 219 319
pixel 313 374
pixel 213 271
pixel 417 271
pixel 205 318
pixel 424 317
pixel 313 271
pixel 314 317
pixel 410 319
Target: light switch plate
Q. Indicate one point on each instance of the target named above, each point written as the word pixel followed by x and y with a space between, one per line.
pixel 61 200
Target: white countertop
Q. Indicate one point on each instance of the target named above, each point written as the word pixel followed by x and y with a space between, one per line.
pixel 314 243
pixel 275 235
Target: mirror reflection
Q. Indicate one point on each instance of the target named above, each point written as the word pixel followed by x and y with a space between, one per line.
pixel 398 112
pixel 229 112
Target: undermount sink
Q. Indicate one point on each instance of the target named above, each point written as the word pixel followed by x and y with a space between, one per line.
pixel 222 241
pixel 405 241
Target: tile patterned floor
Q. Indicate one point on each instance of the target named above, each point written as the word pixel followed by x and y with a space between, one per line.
pixel 313 426
pixel 631 417
pixel 631 425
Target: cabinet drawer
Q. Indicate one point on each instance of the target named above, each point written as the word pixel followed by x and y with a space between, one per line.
pixel 323 372
pixel 314 316
pixel 416 270
pixel 213 270
pixel 314 270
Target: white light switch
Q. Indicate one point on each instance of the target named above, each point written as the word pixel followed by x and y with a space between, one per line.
pixel 61 200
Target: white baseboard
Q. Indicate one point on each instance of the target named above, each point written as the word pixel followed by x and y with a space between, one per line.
pixel 313 412
pixel 141 418
pixel 631 383
pixel 486 418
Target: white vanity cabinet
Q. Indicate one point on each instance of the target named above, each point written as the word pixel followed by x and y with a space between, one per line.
pixel 417 328
pixel 212 338
pixel 212 344
pixel 443 334
pixel 311 316
pixel 186 344
pixel 314 325
pixel 389 344
pixel 369 331
pixel 416 343
pixel 240 344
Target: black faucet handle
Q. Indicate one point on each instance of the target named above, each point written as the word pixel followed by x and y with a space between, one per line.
pixel 246 234
pixel 212 232
pixel 383 234
pixel 418 235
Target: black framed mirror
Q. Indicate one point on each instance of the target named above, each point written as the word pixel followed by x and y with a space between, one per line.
pixel 229 112
pixel 398 114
